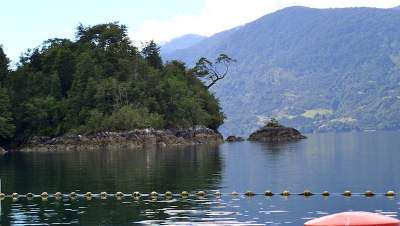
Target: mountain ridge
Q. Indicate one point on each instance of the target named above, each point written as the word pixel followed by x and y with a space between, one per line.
pixel 315 69
pixel 180 42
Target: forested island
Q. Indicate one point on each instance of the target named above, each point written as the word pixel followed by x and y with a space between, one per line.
pixel 99 82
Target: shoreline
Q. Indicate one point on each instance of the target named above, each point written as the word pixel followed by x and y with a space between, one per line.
pixel 125 139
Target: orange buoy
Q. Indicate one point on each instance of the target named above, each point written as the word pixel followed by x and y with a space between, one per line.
pixel 354 218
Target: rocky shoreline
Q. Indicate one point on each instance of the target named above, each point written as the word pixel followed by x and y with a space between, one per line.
pixel 144 137
pixel 127 139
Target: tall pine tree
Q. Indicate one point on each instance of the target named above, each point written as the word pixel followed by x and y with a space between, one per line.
pixel 151 53
pixel 7 127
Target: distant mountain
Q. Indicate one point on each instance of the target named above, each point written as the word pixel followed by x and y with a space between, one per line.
pixel 181 42
pixel 314 69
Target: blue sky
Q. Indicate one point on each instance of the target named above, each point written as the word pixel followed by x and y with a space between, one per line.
pixel 27 23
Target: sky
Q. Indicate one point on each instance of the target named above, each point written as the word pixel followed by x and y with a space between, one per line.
pixel 27 23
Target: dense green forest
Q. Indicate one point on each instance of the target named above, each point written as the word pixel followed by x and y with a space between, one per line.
pixel 99 82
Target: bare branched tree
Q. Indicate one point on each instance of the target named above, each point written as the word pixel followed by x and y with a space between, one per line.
pixel 213 71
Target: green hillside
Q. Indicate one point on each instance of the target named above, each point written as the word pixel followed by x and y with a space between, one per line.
pixel 297 61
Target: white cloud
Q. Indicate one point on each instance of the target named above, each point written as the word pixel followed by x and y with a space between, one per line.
pixel 219 15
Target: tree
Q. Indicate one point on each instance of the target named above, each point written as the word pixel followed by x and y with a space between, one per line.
pixel 7 127
pixel 106 36
pixel 213 71
pixel 273 123
pixel 151 53
pixel 59 59
pixel 3 65
pixel 40 116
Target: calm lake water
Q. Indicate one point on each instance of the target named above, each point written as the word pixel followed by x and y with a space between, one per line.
pixel 333 162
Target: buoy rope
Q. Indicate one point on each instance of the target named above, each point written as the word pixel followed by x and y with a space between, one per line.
pixel 198 194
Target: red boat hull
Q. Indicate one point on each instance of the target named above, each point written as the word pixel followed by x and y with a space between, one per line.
pixel 354 219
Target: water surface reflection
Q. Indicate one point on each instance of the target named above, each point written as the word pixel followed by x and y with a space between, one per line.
pixel 333 162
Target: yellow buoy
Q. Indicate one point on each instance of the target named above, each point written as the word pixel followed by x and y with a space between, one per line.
pixel 325 193
pixel 88 194
pixel 201 193
pixel 103 195
pixel 119 194
pixel 347 193
pixel 168 194
pixel 44 195
pixel 14 195
pixel 29 195
pixel 369 193
pixel 136 194
pixel 153 194
pixel 268 193
pixel 234 193
pixel 285 193
pixel 307 193
pixel 218 193
pixel 72 194
pixel 184 194
pixel 58 196
pixel 390 193
pixel 2 195
pixel 249 193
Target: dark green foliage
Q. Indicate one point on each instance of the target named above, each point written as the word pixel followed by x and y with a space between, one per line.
pixel 40 116
pixel 3 65
pixel 7 126
pixel 151 53
pixel 100 82
pixel 273 123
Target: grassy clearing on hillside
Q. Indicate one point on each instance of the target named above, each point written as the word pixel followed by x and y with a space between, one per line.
pixel 313 112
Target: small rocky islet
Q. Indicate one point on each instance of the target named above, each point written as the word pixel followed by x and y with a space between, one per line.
pixel 275 132
pixel 267 134
pixel 271 132
pixel 234 139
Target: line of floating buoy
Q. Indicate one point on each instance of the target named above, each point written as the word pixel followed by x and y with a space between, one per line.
pixel 186 194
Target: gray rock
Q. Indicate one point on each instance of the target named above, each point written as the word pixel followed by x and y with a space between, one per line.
pixel 2 151
pixel 276 134
pixel 135 138
pixel 234 139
